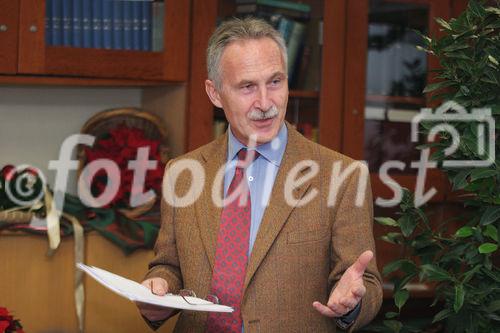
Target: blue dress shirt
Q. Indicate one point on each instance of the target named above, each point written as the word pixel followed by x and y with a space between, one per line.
pixel 260 175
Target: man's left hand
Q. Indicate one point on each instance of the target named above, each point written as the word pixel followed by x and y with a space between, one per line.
pixel 348 291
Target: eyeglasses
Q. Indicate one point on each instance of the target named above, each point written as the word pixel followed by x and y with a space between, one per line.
pixel 186 293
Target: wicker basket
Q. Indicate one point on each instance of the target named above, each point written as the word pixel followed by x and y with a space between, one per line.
pixel 102 122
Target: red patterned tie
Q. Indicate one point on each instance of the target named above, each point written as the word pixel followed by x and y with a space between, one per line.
pixel 231 255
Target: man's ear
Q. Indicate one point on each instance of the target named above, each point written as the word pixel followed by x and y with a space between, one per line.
pixel 212 93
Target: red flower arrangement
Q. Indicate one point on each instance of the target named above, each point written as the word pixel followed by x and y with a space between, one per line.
pixel 121 146
pixel 8 324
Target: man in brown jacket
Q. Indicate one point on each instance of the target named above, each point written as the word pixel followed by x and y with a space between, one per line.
pixel 306 264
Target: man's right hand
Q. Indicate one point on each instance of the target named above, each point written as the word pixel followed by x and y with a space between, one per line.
pixel 158 286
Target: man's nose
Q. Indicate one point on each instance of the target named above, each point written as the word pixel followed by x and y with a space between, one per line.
pixel 263 101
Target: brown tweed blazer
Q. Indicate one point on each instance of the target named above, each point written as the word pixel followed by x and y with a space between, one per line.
pixel 298 256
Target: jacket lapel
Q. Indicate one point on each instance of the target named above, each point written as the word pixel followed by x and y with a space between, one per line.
pixel 278 211
pixel 208 214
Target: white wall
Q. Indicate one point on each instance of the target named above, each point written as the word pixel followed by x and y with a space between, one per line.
pixel 34 121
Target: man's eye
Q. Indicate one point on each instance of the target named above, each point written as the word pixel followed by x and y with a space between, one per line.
pixel 275 82
pixel 247 86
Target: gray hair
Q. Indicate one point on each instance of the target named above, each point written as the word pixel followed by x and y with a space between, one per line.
pixel 234 30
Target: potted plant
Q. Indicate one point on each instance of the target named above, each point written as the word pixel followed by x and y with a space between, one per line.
pixel 461 263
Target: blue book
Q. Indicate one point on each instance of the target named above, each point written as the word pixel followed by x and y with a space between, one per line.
pixel 67 22
pixel 146 25
pixel 117 25
pixel 87 23
pixel 107 24
pixel 77 23
pixel 127 25
pixel 97 24
pixel 136 25
pixel 48 22
pixel 56 22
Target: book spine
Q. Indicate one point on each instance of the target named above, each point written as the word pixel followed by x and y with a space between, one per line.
pixel 266 12
pixel 107 32
pixel 97 24
pixel 56 22
pixel 297 6
pixel 48 21
pixel 117 25
pixel 294 45
pixel 127 25
pixel 67 22
pixel 158 16
pixel 87 23
pixel 146 26
pixel 136 25
pixel 77 23
pixel 285 27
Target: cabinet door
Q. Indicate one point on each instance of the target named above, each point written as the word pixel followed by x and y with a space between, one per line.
pixel 385 77
pixel 9 20
pixel 53 42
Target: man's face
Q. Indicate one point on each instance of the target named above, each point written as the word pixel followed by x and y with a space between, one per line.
pixel 254 89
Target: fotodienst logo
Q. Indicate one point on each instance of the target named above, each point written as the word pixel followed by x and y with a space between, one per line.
pixel 466 140
pixel 480 122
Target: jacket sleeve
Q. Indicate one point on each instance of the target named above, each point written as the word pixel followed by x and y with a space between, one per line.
pixel 165 263
pixel 352 234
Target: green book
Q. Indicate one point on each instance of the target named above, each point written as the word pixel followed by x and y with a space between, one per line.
pixel 301 7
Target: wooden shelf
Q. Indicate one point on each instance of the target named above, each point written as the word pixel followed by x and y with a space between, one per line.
pixel 74 81
pixel 419 101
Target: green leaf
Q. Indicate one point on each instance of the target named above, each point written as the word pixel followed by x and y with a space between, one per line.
pixel 494 306
pixel 386 221
pixel 443 314
pixel 459 297
pixel 390 315
pixel 455 47
pixel 395 265
pixel 443 23
pixel 493 60
pixel 392 237
pixel 438 85
pixel 468 275
pixel 459 181
pixel 401 297
pixel 434 273
pixel 493 10
pixel 482 173
pixel 401 283
pixel 394 325
pixel 490 215
pixel 487 248
pixel 407 224
pixel 464 232
pixel 491 232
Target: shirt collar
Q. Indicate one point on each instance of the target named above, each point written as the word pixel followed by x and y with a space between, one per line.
pixel 272 151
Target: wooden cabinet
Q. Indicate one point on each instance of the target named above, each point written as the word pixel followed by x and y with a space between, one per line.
pixel 23 48
pixel 9 17
pixel 385 76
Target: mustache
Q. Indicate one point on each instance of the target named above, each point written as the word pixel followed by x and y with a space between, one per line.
pixel 262 115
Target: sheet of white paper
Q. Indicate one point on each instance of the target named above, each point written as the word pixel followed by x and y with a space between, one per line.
pixel 138 293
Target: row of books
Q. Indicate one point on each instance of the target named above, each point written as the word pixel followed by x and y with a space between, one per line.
pixel 109 24
pixel 300 32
